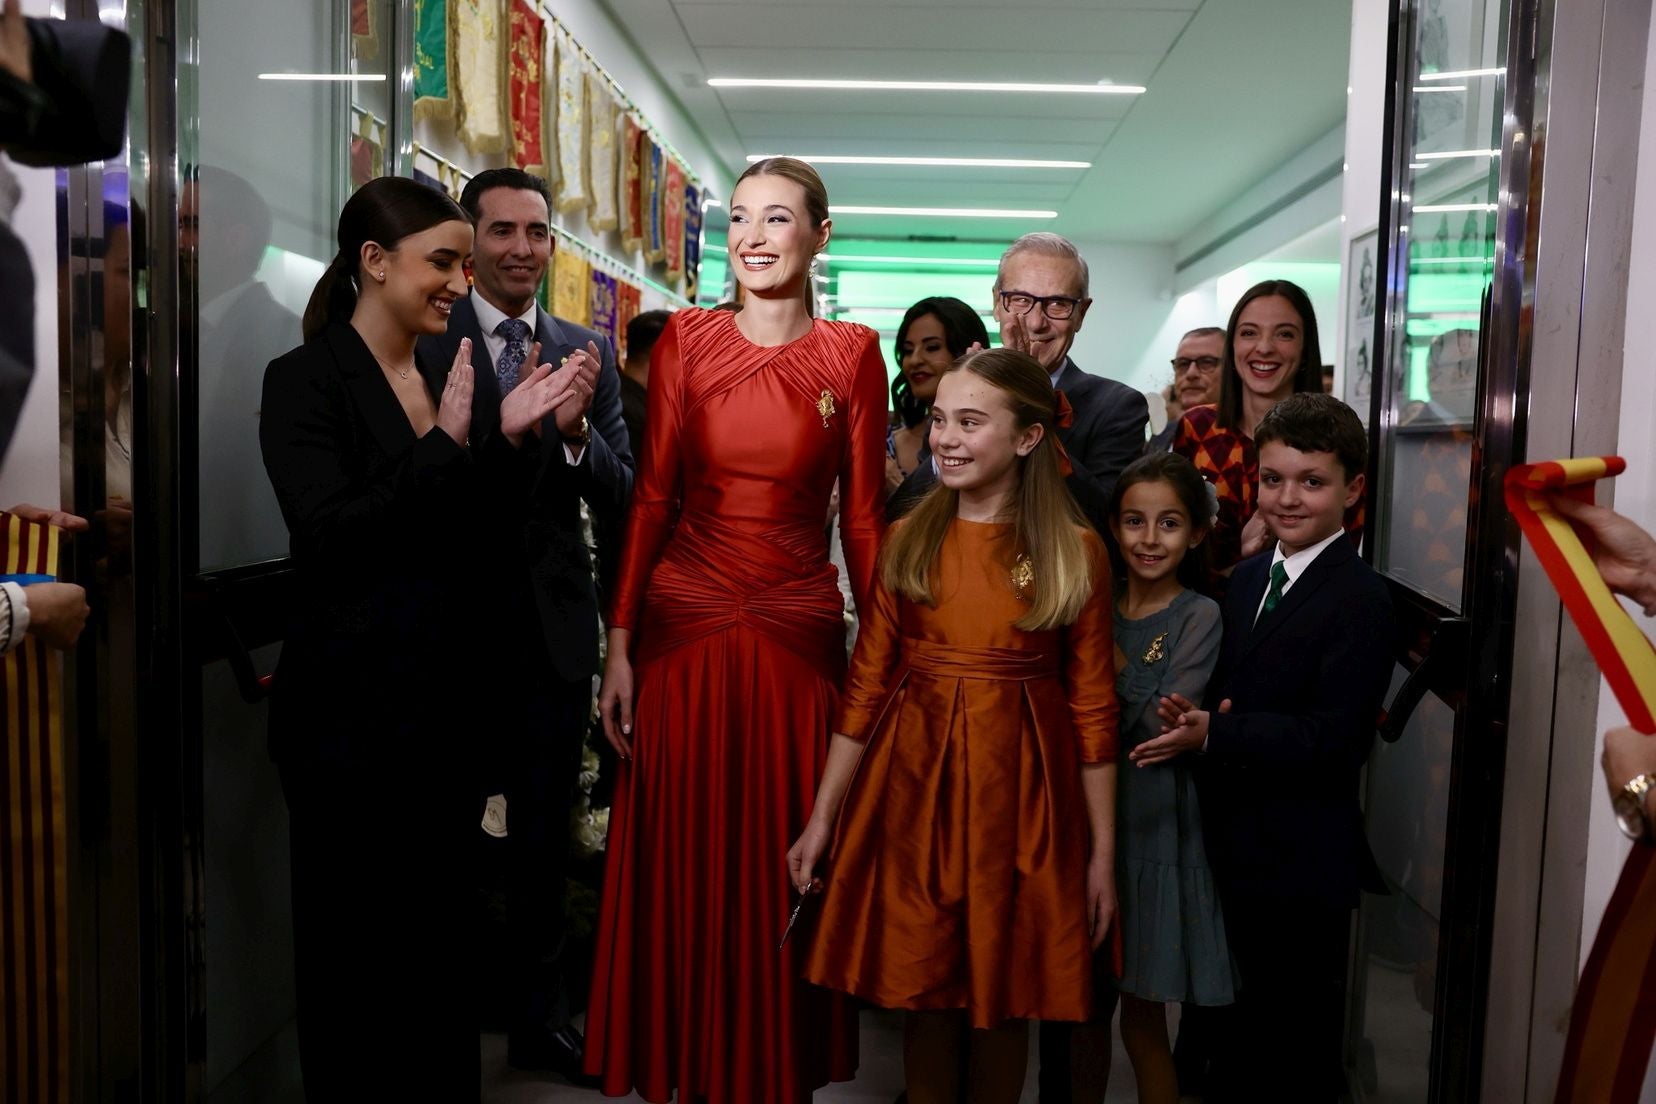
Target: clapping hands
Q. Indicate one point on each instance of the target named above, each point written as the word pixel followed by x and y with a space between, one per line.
pixel 1185 729
pixel 566 392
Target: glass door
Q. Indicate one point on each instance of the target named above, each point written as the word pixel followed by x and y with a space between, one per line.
pixel 1414 1026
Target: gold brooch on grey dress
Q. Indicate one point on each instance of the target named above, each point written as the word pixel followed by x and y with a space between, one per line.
pixel 1155 653
pixel 825 407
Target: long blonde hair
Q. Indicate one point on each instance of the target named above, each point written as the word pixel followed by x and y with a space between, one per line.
pixel 1047 525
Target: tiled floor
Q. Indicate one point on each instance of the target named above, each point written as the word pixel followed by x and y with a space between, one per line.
pixel 878 1081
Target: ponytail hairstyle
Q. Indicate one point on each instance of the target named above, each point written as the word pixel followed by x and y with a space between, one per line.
pixel 1047 526
pixel 385 210
pixel 1197 497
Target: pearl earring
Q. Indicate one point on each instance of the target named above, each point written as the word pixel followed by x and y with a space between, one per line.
pixel 380 277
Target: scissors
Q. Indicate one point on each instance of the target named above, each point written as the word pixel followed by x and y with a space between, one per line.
pixel 793 917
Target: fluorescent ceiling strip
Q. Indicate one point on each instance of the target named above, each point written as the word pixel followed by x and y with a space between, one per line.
pixel 925 86
pixel 940 262
pixel 943 212
pixel 1462 74
pixel 1452 260
pixel 1428 208
pixel 1447 154
pixel 1440 88
pixel 939 162
pixel 352 77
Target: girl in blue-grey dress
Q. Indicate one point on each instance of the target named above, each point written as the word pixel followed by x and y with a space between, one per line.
pixel 1167 641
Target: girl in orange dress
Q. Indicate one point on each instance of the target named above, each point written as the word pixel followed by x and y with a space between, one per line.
pixel 972 771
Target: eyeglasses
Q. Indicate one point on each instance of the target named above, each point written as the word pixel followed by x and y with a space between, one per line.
pixel 1206 364
pixel 1055 307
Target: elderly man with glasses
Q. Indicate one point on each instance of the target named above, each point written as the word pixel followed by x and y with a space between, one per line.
pixel 1195 378
pixel 1040 302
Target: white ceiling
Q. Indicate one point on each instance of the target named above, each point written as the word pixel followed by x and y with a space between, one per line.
pixel 1235 88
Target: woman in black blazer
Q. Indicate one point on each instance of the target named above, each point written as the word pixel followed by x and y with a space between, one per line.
pixel 368 454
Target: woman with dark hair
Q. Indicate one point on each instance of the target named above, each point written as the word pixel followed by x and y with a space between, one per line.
pixel 728 622
pixel 936 332
pixel 368 453
pixel 1271 352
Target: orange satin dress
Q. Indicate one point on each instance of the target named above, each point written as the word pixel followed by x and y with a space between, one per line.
pixel 739 651
pixel 958 873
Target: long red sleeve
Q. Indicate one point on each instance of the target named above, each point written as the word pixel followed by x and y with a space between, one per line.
pixel 658 491
pixel 862 473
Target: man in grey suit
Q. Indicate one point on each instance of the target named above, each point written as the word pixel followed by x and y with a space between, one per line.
pixel 538 609
pixel 1040 302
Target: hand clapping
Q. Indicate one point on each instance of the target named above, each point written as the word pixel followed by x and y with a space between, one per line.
pixel 566 391
pixel 454 412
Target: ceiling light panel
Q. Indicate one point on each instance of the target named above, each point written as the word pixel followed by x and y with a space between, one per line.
pixel 933 162
pixel 1002 87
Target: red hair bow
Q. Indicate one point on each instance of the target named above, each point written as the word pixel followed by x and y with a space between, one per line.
pixel 1063 415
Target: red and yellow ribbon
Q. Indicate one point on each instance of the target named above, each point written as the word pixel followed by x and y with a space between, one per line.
pixel 34 888
pixel 1613 1021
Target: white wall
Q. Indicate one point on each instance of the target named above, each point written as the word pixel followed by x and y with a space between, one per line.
pixel 1136 319
pixel 1365 140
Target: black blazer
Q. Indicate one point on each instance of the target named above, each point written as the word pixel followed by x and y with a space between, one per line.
pixel 1107 435
pixel 1279 778
pixel 1110 423
pixel 374 521
pixel 534 495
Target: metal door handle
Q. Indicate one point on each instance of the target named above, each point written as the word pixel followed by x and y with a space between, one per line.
pixel 1447 642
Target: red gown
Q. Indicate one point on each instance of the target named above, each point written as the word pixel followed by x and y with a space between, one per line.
pixel 739 651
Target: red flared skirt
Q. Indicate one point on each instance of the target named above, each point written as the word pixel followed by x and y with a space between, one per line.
pixel 690 992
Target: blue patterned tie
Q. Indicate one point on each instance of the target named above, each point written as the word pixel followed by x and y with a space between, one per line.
pixel 516 333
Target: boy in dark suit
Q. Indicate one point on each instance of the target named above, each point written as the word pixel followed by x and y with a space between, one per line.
pixel 1306 660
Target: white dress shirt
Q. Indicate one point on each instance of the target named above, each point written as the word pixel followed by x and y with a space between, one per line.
pixel 489 318
pixel 1296 564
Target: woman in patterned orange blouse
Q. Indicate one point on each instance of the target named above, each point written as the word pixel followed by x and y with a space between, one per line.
pixel 1271 352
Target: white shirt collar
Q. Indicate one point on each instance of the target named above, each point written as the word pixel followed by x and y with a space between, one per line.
pixel 1296 564
pixel 489 316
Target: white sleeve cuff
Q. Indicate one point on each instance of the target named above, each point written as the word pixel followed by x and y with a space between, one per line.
pixel 19 615
pixel 573 453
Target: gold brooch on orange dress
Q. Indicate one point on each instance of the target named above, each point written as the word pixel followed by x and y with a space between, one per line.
pixel 1023 575
pixel 825 407
pixel 1155 653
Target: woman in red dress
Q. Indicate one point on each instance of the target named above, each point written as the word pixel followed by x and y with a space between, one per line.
pixel 728 611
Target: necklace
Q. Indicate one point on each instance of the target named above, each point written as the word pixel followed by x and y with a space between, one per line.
pixel 402 373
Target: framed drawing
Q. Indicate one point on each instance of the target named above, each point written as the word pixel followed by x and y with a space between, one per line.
pixel 1362 299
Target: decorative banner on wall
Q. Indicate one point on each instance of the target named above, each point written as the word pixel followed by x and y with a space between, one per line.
pixel 433 46
pixel 633 224
pixel 523 75
pixel 627 299
pixel 480 66
pixel 34 879
pixel 692 240
pixel 364 36
pixel 367 152
pixel 604 304
pixel 572 119
pixel 549 112
pixel 672 220
pixel 572 293
pixel 601 111
pixel 654 251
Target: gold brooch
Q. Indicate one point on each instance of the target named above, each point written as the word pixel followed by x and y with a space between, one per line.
pixel 1023 576
pixel 825 407
pixel 1155 653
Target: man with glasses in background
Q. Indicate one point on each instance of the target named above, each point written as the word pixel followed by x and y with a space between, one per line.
pixel 1040 302
pixel 1195 378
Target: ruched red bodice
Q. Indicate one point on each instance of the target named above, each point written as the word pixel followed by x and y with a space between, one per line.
pixel 738 653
